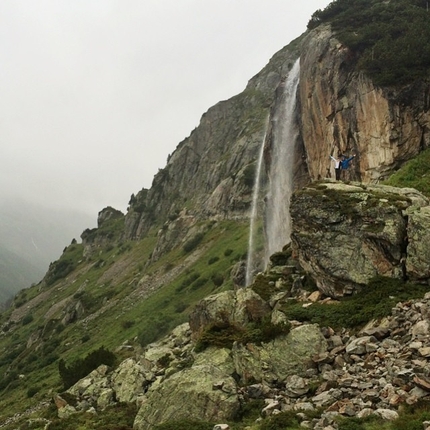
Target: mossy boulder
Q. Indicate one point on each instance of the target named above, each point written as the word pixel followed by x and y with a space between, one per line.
pixel 346 234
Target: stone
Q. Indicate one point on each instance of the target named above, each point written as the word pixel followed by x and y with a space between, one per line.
pixel 129 380
pixel 190 394
pixel 359 346
pixel 418 251
pixel 339 255
pixel 296 386
pixel 387 414
pixel 422 382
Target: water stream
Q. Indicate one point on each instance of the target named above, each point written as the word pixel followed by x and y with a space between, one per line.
pixel 284 135
pixel 277 217
pixel 254 213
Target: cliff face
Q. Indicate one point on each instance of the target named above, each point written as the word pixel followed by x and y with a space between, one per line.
pixel 339 111
pixel 211 173
pixel 343 112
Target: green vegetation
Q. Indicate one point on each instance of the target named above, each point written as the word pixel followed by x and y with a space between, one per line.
pixel 192 243
pixel 224 333
pixel 185 425
pixel 68 262
pixel 414 174
pixel 391 39
pixel 109 287
pixel 118 417
pixel 82 367
pixel 375 301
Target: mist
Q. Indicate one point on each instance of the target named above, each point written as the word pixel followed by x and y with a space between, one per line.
pixel 97 93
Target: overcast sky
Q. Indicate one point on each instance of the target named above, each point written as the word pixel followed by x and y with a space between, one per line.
pixel 94 94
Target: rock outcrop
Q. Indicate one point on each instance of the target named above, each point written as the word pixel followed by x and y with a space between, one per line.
pixel 345 234
pixel 342 111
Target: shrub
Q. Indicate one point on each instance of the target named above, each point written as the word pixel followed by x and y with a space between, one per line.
pixel 217 279
pixel 281 421
pixel 248 177
pixel 228 252
pixel 32 391
pixel 213 260
pixel 27 319
pixel 188 281
pixel 224 333
pixel 82 367
pixel 264 285
pixel 198 283
pixel 127 324
pixel 193 242
pixel 85 338
pixel 180 307
pixel 375 301
pixel 185 425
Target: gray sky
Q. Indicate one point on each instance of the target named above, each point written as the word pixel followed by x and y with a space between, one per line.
pixel 94 94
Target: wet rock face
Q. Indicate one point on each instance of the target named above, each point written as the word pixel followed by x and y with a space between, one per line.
pixel 343 112
pixel 345 234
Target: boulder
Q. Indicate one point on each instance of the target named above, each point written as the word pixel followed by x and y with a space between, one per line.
pixel 282 357
pixel 346 234
pixel 201 392
pixel 129 380
pixel 418 250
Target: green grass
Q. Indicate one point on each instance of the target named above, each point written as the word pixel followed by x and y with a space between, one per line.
pixel 414 174
pixel 375 301
pixel 97 285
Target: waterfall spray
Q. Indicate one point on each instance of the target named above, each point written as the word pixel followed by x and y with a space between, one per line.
pixel 254 211
pixel 284 135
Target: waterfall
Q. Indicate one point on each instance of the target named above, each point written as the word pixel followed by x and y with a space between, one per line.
pixel 254 211
pixel 284 137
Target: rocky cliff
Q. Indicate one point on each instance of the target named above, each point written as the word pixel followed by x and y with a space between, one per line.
pixel 342 111
pixel 339 111
pixel 242 347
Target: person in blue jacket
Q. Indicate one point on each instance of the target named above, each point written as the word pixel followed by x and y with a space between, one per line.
pixel 344 162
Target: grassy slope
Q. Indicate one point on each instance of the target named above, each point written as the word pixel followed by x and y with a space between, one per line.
pixel 414 174
pixel 111 289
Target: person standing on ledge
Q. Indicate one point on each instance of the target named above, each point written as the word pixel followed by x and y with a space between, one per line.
pixel 344 162
pixel 336 167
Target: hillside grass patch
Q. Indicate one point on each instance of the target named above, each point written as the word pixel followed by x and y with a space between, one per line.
pixel 413 174
pixel 376 300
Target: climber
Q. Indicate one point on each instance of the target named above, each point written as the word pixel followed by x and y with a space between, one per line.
pixel 336 167
pixel 344 162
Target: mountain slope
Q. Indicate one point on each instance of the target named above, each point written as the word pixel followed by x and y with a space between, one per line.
pixel 31 237
pixel 135 277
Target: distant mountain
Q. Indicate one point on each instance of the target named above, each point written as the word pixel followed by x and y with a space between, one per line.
pixel 32 236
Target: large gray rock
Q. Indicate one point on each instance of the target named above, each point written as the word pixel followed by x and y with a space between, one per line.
pixel 284 356
pixel 202 392
pixel 345 234
pixel 418 250
pixel 129 380
pixel 240 307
